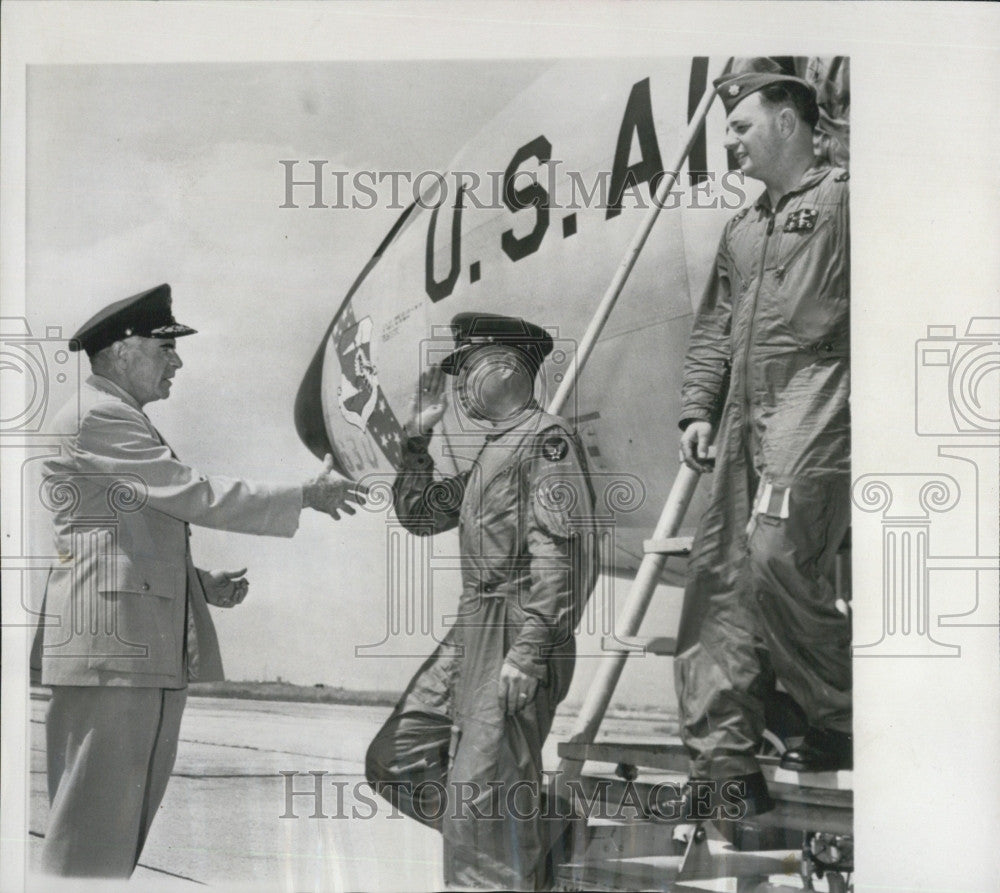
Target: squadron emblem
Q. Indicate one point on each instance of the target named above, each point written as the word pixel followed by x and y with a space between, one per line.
pixel 358 391
pixel 555 449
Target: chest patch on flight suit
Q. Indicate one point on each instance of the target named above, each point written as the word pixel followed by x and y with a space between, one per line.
pixel 801 221
pixel 555 448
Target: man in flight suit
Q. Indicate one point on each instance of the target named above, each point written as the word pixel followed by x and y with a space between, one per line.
pixel 125 622
pixel 768 368
pixel 461 752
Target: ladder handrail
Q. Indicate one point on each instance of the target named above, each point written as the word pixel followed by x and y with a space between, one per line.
pixel 609 669
pixel 641 592
pixel 614 290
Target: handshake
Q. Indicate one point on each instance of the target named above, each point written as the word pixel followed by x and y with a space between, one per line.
pixel 332 493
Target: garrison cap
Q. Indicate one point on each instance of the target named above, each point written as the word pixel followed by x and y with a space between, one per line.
pixel 147 314
pixel 732 89
pixel 473 330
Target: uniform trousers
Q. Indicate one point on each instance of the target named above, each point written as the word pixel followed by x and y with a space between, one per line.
pixel 111 750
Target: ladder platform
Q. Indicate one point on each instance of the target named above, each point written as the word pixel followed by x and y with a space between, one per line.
pixel 613 865
pixel 810 788
pixel 664 645
pixel 675 545
pixel 796 808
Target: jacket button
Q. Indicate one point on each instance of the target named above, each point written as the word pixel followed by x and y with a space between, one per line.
pixel 145 587
pixel 489 587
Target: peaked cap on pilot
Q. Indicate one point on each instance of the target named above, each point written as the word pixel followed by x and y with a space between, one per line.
pixel 475 330
pixel 147 314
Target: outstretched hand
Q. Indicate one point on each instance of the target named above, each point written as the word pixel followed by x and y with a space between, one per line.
pixel 332 493
pixel 225 589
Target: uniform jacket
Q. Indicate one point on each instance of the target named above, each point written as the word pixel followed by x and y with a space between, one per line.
pixel 124 604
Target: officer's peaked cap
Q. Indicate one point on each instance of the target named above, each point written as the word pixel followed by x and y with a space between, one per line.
pixel 474 330
pixel 147 314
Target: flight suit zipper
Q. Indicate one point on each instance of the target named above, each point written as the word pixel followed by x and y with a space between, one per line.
pixel 747 390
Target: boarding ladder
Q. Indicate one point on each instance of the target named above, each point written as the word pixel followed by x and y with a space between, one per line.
pixel 640 852
pixel 618 854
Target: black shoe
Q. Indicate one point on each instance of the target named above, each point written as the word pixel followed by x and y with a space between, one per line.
pixel 822 750
pixel 714 800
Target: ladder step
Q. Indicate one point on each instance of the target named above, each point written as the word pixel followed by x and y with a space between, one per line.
pixel 818 788
pixel 663 873
pixel 675 545
pixel 651 755
pixel 666 645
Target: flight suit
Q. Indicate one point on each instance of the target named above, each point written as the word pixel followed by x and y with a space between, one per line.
pixel 769 353
pixel 449 755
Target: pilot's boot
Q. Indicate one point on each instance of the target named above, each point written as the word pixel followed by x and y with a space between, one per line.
pixel 715 799
pixel 822 750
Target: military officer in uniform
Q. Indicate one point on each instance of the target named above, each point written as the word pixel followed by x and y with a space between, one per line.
pixel 125 622
pixel 462 749
pixel 768 369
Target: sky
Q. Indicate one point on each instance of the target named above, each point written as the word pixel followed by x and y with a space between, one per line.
pixel 141 174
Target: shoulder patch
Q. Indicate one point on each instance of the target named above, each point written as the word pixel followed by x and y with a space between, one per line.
pixel 555 448
pixel 842 177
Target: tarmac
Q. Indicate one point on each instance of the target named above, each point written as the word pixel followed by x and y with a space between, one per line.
pixel 229 818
